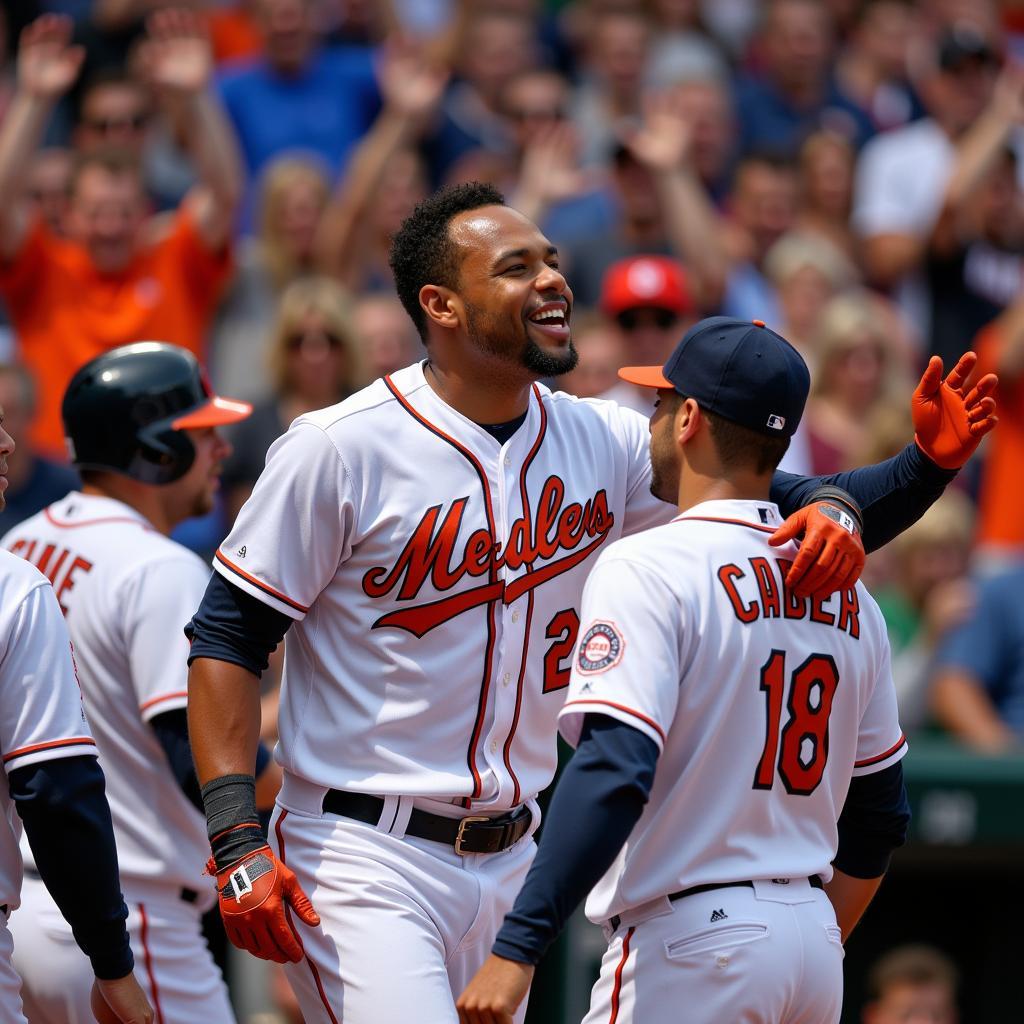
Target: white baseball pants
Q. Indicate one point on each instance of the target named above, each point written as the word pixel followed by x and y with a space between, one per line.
pixel 771 954
pixel 10 983
pixel 172 962
pixel 405 922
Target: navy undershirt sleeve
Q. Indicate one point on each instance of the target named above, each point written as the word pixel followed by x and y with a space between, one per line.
pixel 892 495
pixel 234 626
pixel 597 802
pixel 64 809
pixel 171 728
pixel 874 822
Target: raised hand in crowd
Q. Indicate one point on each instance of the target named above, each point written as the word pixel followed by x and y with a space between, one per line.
pixel 411 83
pixel 176 55
pixel 662 144
pixel 48 63
pixel 550 172
pixel 47 67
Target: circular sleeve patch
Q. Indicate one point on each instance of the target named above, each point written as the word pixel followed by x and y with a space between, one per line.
pixel 600 648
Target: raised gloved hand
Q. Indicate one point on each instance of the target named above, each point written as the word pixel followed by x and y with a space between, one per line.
pixel 831 555
pixel 255 893
pixel 949 424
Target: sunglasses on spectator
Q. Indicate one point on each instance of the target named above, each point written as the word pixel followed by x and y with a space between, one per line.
pixel 105 125
pixel 631 319
pixel 296 341
pixel 536 113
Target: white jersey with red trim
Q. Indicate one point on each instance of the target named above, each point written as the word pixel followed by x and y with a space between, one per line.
pixel 127 592
pixel 41 714
pixel 762 704
pixel 435 578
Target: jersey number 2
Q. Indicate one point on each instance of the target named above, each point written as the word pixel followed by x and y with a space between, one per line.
pixel 804 737
pixel 563 629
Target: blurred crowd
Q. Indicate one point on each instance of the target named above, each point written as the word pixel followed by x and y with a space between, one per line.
pixel 227 176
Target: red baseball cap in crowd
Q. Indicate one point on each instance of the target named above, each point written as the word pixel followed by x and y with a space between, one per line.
pixel 648 282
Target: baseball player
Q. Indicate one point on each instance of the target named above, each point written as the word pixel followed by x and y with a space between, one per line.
pixel 143 431
pixel 722 725
pixel 426 542
pixel 55 785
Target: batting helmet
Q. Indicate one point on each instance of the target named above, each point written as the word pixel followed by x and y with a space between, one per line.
pixel 127 411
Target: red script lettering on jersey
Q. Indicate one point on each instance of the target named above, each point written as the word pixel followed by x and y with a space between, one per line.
pixel 430 551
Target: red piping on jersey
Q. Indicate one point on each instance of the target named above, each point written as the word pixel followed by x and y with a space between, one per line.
pixel 77 741
pixel 881 757
pixel 288 915
pixel 262 586
pixel 95 522
pixel 622 707
pixel 617 989
pixel 149 967
pixel 486 682
pixel 166 696
pixel 732 522
pixel 525 499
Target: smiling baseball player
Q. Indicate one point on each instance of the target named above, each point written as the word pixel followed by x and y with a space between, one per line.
pixel 738 746
pixel 143 428
pixel 425 544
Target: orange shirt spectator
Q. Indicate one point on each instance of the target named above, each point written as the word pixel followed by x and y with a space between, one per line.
pixel 65 311
pixel 1000 348
pixel 234 34
pixel 118 276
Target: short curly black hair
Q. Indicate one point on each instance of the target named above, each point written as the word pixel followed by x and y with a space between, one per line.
pixel 422 251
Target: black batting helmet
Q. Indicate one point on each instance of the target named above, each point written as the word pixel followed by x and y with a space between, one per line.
pixel 127 411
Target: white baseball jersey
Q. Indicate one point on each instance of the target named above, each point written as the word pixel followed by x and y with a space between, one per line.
pixel 762 704
pixel 126 592
pixel 41 715
pixel 434 576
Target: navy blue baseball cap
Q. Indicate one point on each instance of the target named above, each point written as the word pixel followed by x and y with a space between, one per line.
pixel 738 369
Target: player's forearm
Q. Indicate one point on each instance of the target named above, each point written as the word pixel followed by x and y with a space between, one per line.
pixel 850 898
pixel 892 495
pixel 223 718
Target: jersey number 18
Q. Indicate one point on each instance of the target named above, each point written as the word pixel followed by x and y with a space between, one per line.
pixel 802 749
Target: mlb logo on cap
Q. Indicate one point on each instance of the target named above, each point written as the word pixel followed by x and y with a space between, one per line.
pixel 776 422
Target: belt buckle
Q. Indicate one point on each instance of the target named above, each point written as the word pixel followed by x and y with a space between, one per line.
pixel 460 835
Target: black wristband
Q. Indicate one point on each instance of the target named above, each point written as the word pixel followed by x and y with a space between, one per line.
pixel 829 492
pixel 232 822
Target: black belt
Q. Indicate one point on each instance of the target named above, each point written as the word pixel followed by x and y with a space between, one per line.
pixel 185 894
pixel 473 834
pixel 816 883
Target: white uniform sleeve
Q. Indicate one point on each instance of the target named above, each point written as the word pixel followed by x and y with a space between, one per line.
pixel 158 602
pixel 643 509
pixel 41 714
pixel 627 662
pixel 880 741
pixel 293 532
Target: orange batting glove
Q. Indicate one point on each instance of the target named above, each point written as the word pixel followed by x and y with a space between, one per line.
pixel 254 895
pixel 831 555
pixel 949 425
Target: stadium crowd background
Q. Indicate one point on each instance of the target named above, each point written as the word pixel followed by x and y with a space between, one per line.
pixel 848 171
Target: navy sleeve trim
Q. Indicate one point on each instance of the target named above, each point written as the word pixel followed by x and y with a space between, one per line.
pixel 234 626
pixel 873 823
pixel 892 495
pixel 64 809
pixel 597 802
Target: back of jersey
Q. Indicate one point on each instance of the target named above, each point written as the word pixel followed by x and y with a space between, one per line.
pixel 126 592
pixel 763 704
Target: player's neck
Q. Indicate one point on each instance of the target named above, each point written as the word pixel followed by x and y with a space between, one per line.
pixel 145 500
pixel 695 487
pixel 481 398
